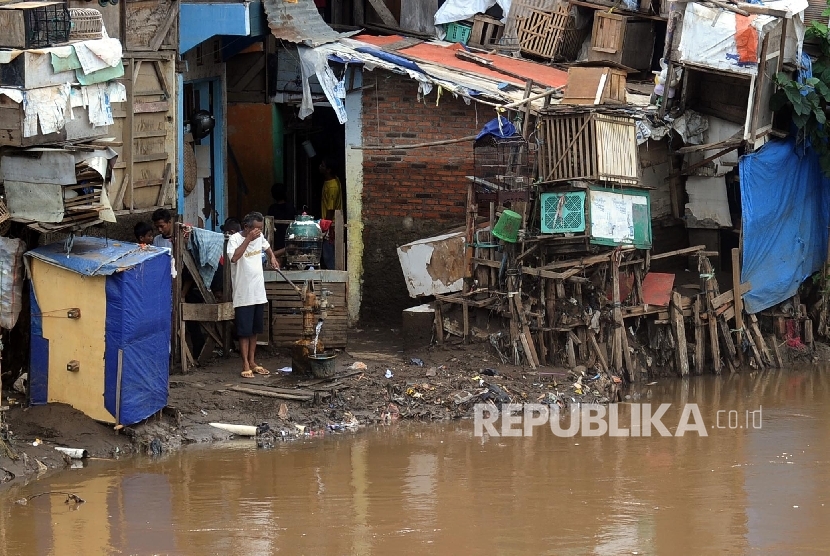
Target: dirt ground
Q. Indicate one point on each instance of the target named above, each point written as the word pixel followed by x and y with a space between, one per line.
pixel 434 383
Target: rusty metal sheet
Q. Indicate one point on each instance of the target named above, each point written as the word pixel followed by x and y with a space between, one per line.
pixel 657 288
pixel 298 21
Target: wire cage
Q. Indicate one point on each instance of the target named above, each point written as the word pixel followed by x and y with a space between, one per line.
pixel 504 168
pixel 46 24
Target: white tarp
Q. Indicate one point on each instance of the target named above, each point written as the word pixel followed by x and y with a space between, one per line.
pixel 459 10
pixel 708 36
pixel 314 61
pixel 708 39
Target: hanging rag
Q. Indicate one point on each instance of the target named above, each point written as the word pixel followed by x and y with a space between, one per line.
pixel 746 38
pixel 207 248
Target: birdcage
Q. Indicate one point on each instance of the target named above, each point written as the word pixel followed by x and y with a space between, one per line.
pixel 87 24
pixel 504 168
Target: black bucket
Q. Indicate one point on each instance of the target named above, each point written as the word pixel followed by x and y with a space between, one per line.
pixel 322 365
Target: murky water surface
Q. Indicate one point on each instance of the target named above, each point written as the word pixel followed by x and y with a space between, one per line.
pixel 437 489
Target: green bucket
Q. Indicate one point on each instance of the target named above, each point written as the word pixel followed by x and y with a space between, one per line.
pixel 507 228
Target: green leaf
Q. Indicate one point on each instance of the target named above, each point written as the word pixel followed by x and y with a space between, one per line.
pixel 825 12
pixel 820 117
pixel 819 27
pixel 800 120
pixel 812 81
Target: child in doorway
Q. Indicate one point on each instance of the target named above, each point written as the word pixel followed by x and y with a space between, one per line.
pixel 143 233
pixel 245 251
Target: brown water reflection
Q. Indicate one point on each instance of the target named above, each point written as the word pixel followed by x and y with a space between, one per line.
pixel 437 489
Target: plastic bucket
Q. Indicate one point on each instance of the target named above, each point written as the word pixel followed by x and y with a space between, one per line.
pixel 322 365
pixel 507 228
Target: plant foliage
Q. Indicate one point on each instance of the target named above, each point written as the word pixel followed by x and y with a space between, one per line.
pixel 809 101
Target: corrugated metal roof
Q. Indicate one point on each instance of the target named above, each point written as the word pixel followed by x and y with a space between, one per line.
pixel 298 21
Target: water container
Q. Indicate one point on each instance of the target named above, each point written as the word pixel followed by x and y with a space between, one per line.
pixel 507 228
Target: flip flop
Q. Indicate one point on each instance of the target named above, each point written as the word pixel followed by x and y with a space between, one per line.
pixel 247 374
pixel 260 370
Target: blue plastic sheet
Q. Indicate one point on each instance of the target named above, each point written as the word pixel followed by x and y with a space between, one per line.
pixel 138 324
pixel 784 201
pixel 506 129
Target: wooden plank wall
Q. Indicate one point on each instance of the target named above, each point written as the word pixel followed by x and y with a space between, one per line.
pixel 287 320
pixel 145 176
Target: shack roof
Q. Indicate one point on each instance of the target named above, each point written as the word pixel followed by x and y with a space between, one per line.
pixel 95 256
pixel 444 54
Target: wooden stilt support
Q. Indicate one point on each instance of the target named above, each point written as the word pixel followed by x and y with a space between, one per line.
pixel 738 301
pixel 439 323
pixel 569 351
pixel 700 338
pixel 679 334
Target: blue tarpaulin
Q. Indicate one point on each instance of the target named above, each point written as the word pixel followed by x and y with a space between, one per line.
pixel 784 201
pixel 138 288
pixel 498 127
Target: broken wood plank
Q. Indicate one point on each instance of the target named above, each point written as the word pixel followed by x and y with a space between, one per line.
pixel 526 345
pixel 729 295
pixel 592 341
pixel 759 340
pixel 779 361
pixel 384 13
pixel 269 394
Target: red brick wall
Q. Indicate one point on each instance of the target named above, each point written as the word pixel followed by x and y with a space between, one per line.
pixel 414 193
pixel 426 182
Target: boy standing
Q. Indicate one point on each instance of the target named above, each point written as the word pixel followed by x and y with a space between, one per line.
pixel 245 251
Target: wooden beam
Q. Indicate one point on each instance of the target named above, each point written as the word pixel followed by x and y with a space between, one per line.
pixel 249 75
pixel 207 295
pixel 207 312
pixel 339 241
pixel 166 184
pixel 383 11
pixel 161 32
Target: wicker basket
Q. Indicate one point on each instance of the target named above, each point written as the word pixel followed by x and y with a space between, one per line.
pixel 87 24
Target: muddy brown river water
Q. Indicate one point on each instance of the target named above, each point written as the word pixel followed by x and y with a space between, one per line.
pixel 438 489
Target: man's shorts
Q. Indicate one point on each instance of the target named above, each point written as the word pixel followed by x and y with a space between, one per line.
pixel 249 320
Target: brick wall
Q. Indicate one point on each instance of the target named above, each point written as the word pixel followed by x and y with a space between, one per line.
pixel 414 193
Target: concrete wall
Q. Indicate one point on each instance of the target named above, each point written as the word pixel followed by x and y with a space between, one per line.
pixel 408 194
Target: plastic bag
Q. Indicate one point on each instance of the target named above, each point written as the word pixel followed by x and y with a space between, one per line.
pixel 11 281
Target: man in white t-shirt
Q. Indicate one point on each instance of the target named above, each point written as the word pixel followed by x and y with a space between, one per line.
pixel 245 252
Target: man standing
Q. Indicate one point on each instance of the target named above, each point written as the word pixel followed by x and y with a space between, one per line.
pixel 245 251
pixel 331 200
pixel 163 222
pixel 332 197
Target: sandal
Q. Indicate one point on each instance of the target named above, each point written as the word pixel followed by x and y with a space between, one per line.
pixel 260 370
pixel 248 374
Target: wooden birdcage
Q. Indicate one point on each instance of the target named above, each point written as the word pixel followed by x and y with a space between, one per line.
pixel 588 146
pixel 87 24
